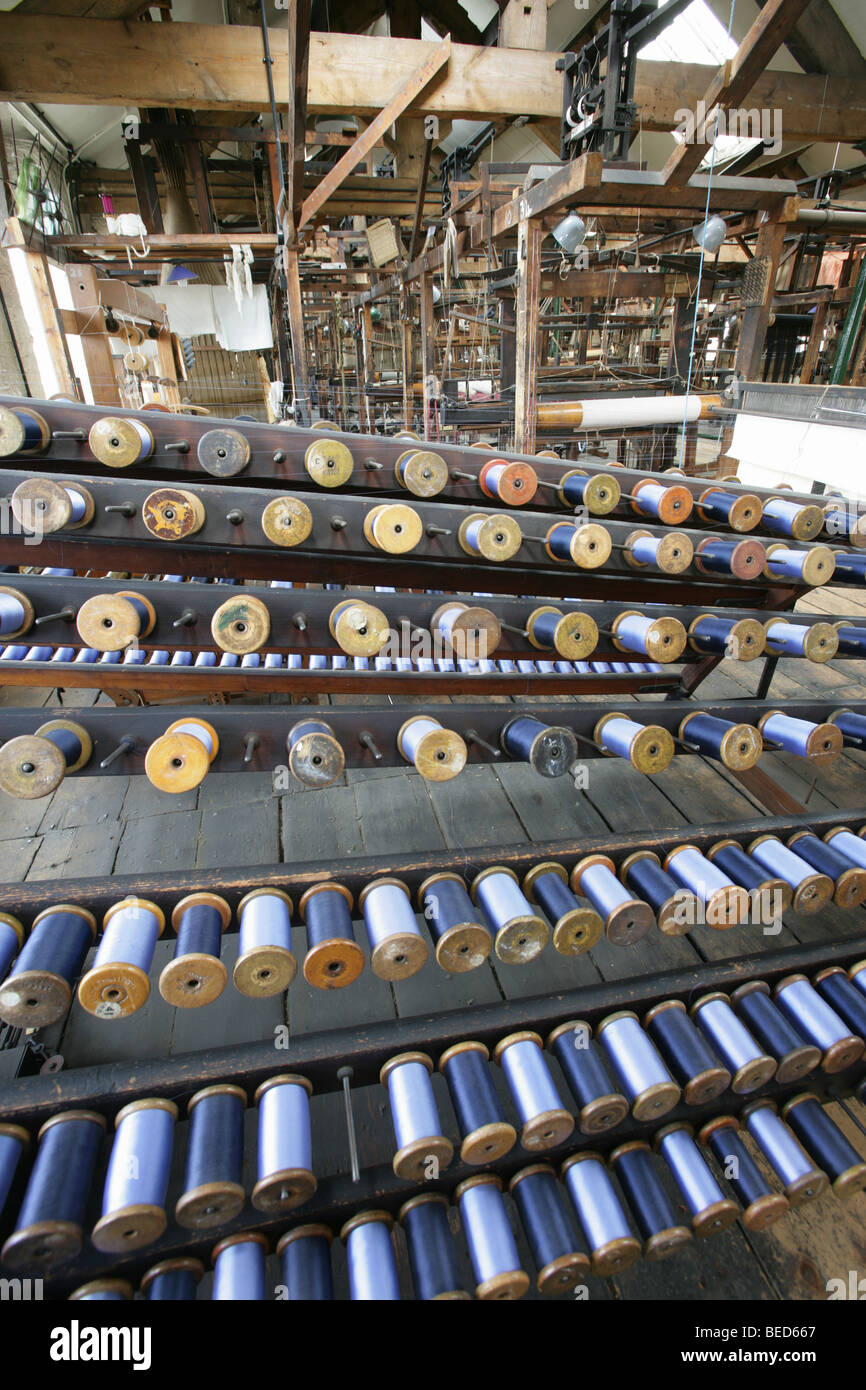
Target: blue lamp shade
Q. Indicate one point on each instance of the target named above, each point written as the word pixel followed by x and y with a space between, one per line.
pixel 180 274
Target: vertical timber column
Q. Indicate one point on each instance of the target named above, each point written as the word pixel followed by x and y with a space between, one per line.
pixel 367 357
pixel 428 343
pixel 39 276
pixel 104 386
pixel 407 356
pixel 529 235
pixel 296 121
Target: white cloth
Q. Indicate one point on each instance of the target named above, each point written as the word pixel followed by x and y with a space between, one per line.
pixel 190 308
pixel 196 309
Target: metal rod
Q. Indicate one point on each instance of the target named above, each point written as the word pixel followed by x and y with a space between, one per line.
pixel 345 1075
pixel 250 747
pixel 187 618
pixel 65 615
pixel 126 745
pixel 472 737
pixel 365 738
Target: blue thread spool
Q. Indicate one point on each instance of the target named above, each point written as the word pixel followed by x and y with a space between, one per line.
pixel 117 982
pixel 110 622
pixel 675 908
pixel 334 959
pixel 549 750
pixel 397 948
pixel 40 503
pixel 785 1154
pixel 133 1200
pixel 761 1205
pixel 437 754
pixel 227 659
pixel 13 1141
pixel 110 659
pixel 103 1291
pixel 852 640
pixel 648 747
pixel 180 759
pixel 662 639
pixel 461 942
pixel 598 492
pixel 87 655
pixel 737 559
pixel 826 1144
pixel 305 1255
pixel 812 891
pixel 492 1248
pixel 39 654
pixel 817 642
pixel 672 554
pixel 431 1248
pixel 370 1257
pixel 576 924
pixel 544 1121
pixel 613 1248
pixel 485 1133
pixel 725 903
pixel 737 746
pixel 813 567
pixel 849 882
pixel 358 627
pixel 38 989
pixel 739 510
pixel 49 1228
pixel 669 505
pixel 857 976
pixel 421 472
pixel 206 659
pixel 514 483
pixel 184 658
pixel 265 965
pixel 853 848
pixel 33 765
pixel 794 519
pixel 196 975
pixel 769 896
pixel 213 1191
pixel 119 441
pixel 315 755
pixel 794 1056
pixel 11 941
pixel 273 661
pixel 497 538
pixel 710 1210
pixel 834 986
pixel 601 1106
pixel 560 1262
pixel 652 1209
pixel 626 918
pixel 845 521
pixel 852 725
pixel 285 1177
pixel 743 639
pixel 22 431
pixel 66 654
pixel 173 1281
pixel 422 1149
pixel 519 933
pixel 15 652
pixel 573 634
pixel 637 1067
pixel 16 612
pixel 588 545
pixel 686 1053
pixel 239 1273
pixel 750 1067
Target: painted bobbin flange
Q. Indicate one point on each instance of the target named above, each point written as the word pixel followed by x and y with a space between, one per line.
pixel 119 443
pixel 197 977
pixel 110 622
pixel 178 761
pixel 516 483
pixel 674 506
pixel 173 513
pixel 329 462
pixel 241 624
pixel 338 961
pixel 32 766
pixel 287 521
pixel 223 452
pixel 472 632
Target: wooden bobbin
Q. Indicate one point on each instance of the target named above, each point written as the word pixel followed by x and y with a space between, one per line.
pixel 264 971
pixel 223 452
pixel 412 1160
pixel 745 513
pixel 335 963
pixel 12 433
pixel 241 624
pixel 740 746
pixel 550 1127
pixel 651 750
pixel 177 762
pixel 475 633
pixel 491 1141
pixel 764 1210
pixel 580 928
pixel 287 521
pixel 499 538
pixel 818 566
pixel 524 937
pixel 291 1187
pixel 628 922
pixel 746 638
pixel 116 443
pixel 424 473
pixel 575 635
pixel 31 766
pixel 821 641
pixel 464 945
pixel 675 507
pixel 189 981
pixel 329 462
pixel 117 988
pixel 48 501
pixel 665 639
pixel 590 545
pixel 138 1225
pixel 393 527
pixel 601 493
pixel 135 362
pixel 408 434
pixel 823 744
pixel 173 513
pixel 441 753
pixel 36 998
pixel 316 758
pixel 109 622
pixel 517 485
pixel 674 554
pixel 401 954
pixel 29 612
pixel 360 629
pixel 808 522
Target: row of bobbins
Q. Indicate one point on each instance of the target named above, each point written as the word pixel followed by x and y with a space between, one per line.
pixel 804 1148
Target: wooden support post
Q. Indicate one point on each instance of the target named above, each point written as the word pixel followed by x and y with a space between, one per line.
pixel 407 355
pixel 523 24
pixel 169 393
pixel 144 184
pixel 40 278
pixel 810 357
pixel 529 235
pixel 428 344
pixel 197 172
pixel 753 330
pixel 104 385
pixel 507 347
